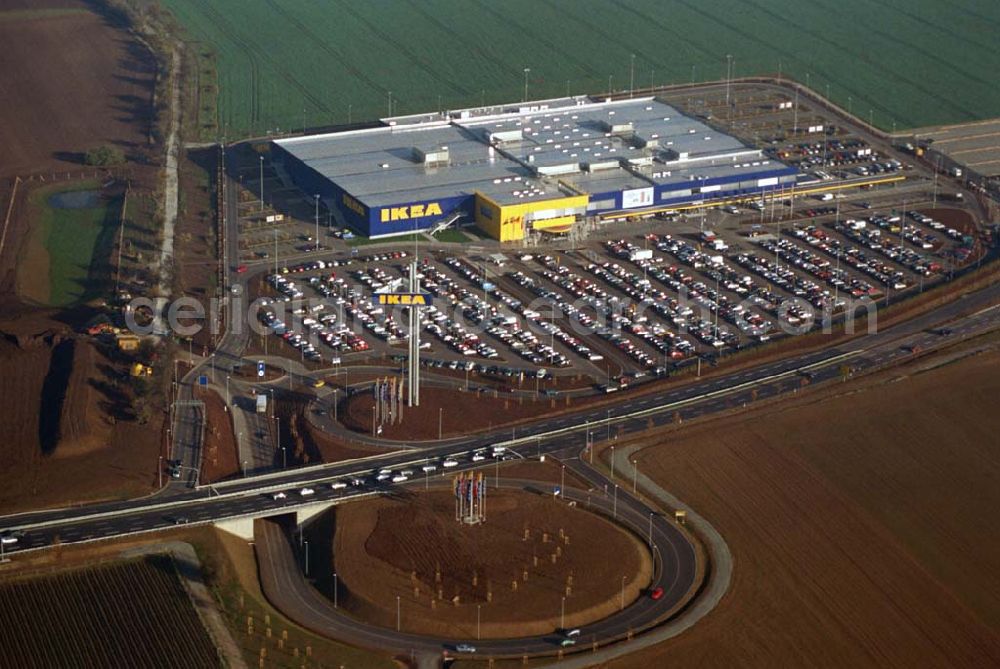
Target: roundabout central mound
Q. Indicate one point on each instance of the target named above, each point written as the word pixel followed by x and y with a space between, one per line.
pixel 513 570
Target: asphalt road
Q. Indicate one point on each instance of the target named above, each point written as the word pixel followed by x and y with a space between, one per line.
pixel 287 588
pixel 250 496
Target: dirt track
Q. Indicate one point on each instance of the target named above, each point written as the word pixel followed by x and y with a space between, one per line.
pixel 862 527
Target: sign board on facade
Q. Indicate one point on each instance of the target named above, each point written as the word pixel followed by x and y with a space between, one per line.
pixel 638 197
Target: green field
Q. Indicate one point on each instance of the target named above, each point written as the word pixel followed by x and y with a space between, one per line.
pixel 285 63
pixel 66 261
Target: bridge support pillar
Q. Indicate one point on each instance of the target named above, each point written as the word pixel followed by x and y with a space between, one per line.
pixel 241 527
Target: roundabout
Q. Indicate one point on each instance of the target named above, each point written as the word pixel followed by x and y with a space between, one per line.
pixel 659 554
pixel 534 565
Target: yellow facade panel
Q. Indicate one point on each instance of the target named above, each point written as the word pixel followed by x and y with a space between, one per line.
pixel 557 222
pixel 506 222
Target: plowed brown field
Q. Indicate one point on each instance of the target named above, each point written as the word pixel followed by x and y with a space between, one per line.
pixel 61 443
pixel 73 80
pixel 862 526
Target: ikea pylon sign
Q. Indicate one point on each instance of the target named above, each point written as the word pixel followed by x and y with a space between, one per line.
pixel 402 299
pixel 408 212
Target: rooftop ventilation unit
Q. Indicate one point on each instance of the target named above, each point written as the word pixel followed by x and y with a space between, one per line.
pixel 437 156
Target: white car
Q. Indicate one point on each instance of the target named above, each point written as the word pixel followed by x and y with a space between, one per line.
pixel 8 538
pixel 429 468
pixel 465 648
pixel 305 492
pixel 338 485
pixel 399 478
pixel 279 495
pixel 478 457
pixel 449 463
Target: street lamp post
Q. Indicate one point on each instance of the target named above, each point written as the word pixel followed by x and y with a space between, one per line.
pixel 614 512
pixel 397 614
pixel 631 75
pixel 159 472
pixel 479 621
pixel 307 558
pixel 440 416
pixel 261 183
pixel 612 462
pixel 623 593
pixel 729 69
pixel 562 614
pixel 526 71
pixel 635 475
pixel 650 528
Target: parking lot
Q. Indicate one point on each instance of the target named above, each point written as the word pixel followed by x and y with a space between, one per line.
pixel 637 296
pixel 621 308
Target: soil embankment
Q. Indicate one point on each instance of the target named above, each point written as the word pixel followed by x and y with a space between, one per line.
pixel 514 570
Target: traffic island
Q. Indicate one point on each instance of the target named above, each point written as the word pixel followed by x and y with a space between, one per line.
pixel 533 564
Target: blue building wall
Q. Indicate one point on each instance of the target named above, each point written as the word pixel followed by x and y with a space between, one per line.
pixel 310 181
pixel 395 222
pixel 730 186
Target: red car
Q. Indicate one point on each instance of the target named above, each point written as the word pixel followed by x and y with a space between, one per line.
pixel 656 593
pixel 241 269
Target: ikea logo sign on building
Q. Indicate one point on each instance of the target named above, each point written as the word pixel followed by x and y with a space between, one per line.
pixel 402 299
pixel 410 211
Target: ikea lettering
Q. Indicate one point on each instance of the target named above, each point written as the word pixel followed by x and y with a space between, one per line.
pixel 411 211
pixel 403 299
pixel 353 204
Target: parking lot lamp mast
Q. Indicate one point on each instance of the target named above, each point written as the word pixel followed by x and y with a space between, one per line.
pixel 316 196
pixel 261 182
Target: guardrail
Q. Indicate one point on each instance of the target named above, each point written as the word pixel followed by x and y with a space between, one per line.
pixel 641 413
pixel 511 443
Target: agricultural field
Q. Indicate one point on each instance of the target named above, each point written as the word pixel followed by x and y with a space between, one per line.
pixel 284 65
pixel 861 524
pixel 134 614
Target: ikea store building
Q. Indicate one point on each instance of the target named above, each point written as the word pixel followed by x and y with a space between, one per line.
pixel 518 170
